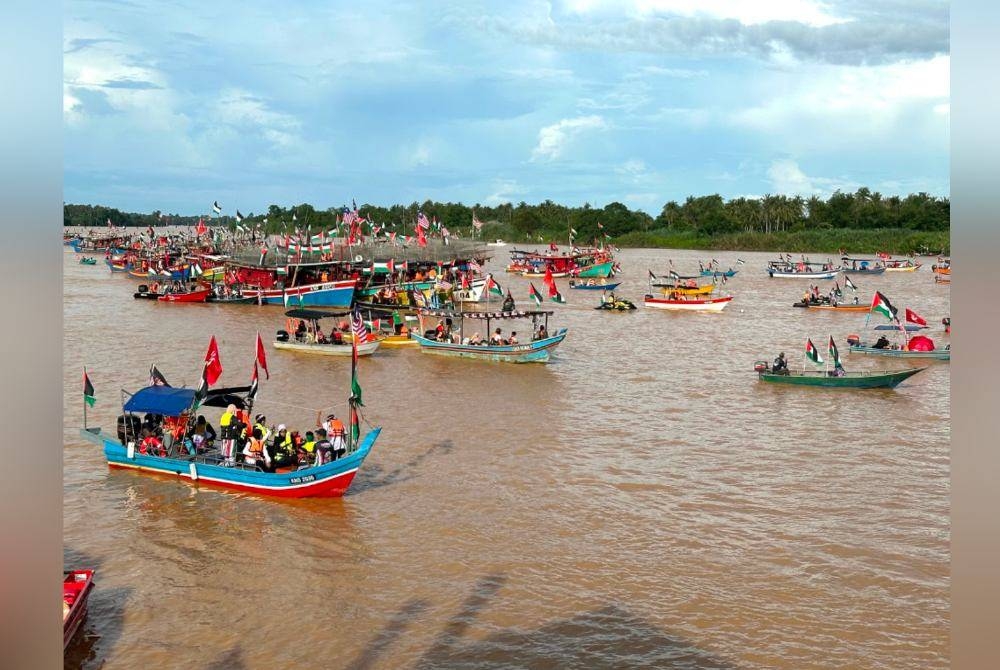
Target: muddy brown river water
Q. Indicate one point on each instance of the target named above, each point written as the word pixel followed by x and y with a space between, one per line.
pixel 641 501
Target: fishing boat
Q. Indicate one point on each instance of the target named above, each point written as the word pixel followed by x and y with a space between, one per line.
pixel 730 273
pixel 197 295
pixel 801 270
pixel 305 341
pixel 942 267
pixel 687 304
pixel 604 270
pixel 942 279
pixel 591 285
pixel 531 351
pixel 118 265
pixel 916 347
pixel 827 379
pixel 77 585
pixel 496 243
pixel 901 266
pixel 209 468
pixel 87 260
pixel 831 307
pixel 319 284
pixel 861 266
pixel 576 263
pixel 910 327
pixel 686 287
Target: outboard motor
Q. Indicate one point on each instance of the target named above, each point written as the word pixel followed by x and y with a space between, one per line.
pixel 131 424
pixel 761 366
pixel 143 288
pixel 282 336
pixel 853 340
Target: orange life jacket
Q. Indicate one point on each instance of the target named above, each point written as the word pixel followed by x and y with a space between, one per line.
pixel 256 448
pixel 336 428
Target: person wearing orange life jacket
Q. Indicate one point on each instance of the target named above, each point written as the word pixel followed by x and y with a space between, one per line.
pixel 334 432
pixel 254 452
pixel 150 444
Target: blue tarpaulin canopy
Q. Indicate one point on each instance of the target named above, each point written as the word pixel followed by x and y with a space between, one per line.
pixel 165 400
pixel 170 401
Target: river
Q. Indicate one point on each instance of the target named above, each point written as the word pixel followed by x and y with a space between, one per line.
pixel 641 501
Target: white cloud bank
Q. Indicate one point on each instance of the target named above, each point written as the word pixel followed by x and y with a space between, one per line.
pixel 553 139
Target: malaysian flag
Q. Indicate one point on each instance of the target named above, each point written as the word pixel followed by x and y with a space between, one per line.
pixel 476 223
pixel 422 221
pixel 444 285
pixel 358 328
pixel 474 266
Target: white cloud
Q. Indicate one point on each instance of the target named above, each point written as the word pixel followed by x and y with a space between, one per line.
pixel 247 113
pixel 747 12
pixel 505 191
pixel 676 72
pixel 787 178
pixel 553 139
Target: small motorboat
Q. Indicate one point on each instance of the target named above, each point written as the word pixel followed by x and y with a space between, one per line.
pixel 617 305
pixel 198 295
pixel 87 260
pixel 496 243
pixel 77 585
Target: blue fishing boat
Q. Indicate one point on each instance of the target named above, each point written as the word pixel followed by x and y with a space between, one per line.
pixel 536 350
pixel 718 273
pixel 591 285
pixel 177 406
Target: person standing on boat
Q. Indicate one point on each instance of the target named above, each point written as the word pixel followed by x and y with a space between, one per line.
pixel 323 449
pixel 542 333
pixel 336 434
pixel 227 426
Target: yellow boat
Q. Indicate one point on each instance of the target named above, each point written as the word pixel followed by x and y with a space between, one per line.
pixel 707 289
pixel 388 340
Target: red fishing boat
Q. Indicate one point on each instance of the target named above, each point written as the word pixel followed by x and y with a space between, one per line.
pixel 77 585
pixel 200 295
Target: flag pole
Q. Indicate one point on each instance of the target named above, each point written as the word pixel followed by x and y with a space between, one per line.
pixel 85 400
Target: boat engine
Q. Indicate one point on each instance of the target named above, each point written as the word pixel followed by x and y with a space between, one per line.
pixel 853 340
pixel 282 336
pixel 143 288
pixel 761 366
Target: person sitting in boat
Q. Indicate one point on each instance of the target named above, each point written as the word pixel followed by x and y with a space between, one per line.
pixel 882 343
pixel 203 435
pixel 254 452
pixel 542 333
pixel 497 338
pixel 151 445
pixel 306 452
pixel 281 450
pixel 300 331
pixel 513 338
pixel 855 300
pixel 508 304
pixel 476 339
pixel 780 366
pixel 838 370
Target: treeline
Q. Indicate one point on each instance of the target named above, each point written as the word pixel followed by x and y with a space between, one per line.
pixel 701 217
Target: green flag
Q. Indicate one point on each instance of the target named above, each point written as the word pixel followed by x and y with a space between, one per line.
pixel 88 389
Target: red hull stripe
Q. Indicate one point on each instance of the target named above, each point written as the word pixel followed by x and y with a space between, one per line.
pixel 330 487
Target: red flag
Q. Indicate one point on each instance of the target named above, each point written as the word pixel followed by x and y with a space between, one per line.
pixel 549 279
pixel 213 365
pixel 261 356
pixel 201 229
pixel 913 317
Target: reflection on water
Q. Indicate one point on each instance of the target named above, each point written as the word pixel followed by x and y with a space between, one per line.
pixel 640 501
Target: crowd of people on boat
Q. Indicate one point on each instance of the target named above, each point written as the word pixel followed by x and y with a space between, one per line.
pixel 242 440
pixel 444 332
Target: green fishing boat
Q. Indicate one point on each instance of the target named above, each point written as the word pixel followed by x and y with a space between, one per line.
pixel 602 270
pixel 853 380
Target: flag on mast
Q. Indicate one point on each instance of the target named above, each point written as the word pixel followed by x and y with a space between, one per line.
pixel 216 208
pixel 261 356
pixel 88 390
pixel 156 378
pixel 812 353
pixel 210 372
pixel 534 294
pixel 913 317
pixel 834 353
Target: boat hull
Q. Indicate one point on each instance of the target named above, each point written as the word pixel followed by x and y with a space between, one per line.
pixel 326 481
pixel 696 305
pixel 936 354
pixel 530 352
pixel 863 271
pixel 711 273
pixel 77 585
pixel 602 270
pixel 782 274
pixel 329 294
pixel 706 289
pixel 192 296
pixel 596 287
pixel 904 268
pixel 854 380
pixel 835 308
pixel 366 349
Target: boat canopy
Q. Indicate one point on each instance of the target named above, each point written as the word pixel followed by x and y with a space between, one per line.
pixel 312 314
pixel 516 314
pixel 171 401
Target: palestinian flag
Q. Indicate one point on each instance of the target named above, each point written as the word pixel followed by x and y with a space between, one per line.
pixel 492 286
pixel 812 353
pixel 88 389
pixel 882 305
pixel 849 284
pixel 156 377
pixel 834 353
pixel 534 294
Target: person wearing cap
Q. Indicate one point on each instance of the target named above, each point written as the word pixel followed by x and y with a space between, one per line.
pixel 337 435
pixel 227 428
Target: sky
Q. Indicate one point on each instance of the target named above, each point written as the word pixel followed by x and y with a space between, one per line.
pixel 171 106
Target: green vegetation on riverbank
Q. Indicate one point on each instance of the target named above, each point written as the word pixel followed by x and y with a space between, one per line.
pixel 860 222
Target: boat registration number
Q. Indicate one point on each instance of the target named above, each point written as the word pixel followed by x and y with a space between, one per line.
pixel 303 479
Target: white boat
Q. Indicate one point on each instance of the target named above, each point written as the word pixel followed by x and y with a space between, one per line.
pixel 688 304
pixel 289 342
pixel 475 292
pixel 496 243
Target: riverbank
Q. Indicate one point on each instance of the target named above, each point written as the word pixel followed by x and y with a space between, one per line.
pixel 893 241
